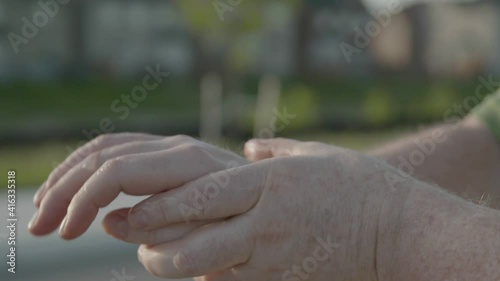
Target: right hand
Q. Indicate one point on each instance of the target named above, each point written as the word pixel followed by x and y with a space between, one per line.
pixel 129 159
pixel 277 211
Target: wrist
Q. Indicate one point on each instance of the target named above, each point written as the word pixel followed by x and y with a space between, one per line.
pixel 437 236
pixel 409 227
pixel 385 200
pixel 392 228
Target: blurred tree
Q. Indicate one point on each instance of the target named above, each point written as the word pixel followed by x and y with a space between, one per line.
pixel 438 99
pixel 301 100
pixel 379 108
pixel 77 42
pixel 226 29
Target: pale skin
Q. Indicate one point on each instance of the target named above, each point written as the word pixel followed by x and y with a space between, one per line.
pixel 462 157
pixel 85 171
pixel 465 160
pixel 262 220
pixel 427 234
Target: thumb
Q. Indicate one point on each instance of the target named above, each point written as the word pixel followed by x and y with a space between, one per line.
pixel 259 149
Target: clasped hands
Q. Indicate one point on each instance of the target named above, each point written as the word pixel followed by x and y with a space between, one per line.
pixel 291 210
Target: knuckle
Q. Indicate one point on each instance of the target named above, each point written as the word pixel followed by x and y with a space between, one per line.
pixel 185 262
pixel 60 170
pixel 77 156
pixel 179 139
pixel 101 140
pixel 158 212
pixel 153 237
pixel 148 208
pixel 193 148
pixel 311 144
pixel 136 144
pixel 199 152
pixel 70 162
pixel 113 164
pixel 163 206
pixel 54 175
pixel 93 161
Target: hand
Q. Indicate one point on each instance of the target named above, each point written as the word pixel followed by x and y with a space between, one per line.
pixel 290 218
pixel 118 225
pixel 137 164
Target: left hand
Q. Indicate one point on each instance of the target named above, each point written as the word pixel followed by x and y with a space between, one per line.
pixel 309 216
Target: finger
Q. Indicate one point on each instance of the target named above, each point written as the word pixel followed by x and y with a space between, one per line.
pixel 216 247
pixel 53 208
pixel 116 225
pixel 137 174
pixel 219 195
pixel 258 149
pixel 49 217
pixel 99 143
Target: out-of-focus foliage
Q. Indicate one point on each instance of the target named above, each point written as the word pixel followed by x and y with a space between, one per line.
pixel 301 100
pixel 336 104
pixel 379 107
pixel 438 97
pixel 203 17
pixel 233 33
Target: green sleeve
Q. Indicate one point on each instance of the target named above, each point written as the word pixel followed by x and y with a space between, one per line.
pixel 489 113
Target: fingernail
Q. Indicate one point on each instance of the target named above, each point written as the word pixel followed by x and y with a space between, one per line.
pixel 138 219
pixel 33 220
pixel 62 229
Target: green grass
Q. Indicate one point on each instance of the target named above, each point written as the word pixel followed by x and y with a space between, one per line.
pixel 31 163
pixel 34 163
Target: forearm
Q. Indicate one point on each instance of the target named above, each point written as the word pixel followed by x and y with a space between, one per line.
pixel 464 159
pixel 438 236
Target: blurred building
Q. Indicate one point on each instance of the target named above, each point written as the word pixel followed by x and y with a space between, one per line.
pixel 120 37
pixel 442 39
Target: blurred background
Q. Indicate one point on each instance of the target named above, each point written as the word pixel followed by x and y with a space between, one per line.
pixel 352 72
